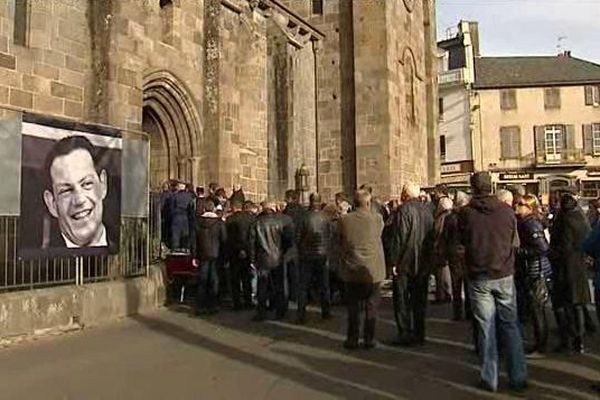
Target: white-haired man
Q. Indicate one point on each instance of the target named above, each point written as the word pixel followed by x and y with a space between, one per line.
pixel 413 225
pixel 505 196
pixel 363 267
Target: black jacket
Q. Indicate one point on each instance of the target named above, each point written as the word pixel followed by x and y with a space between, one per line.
pixel 488 230
pixel 272 235
pixel 532 256
pixel 239 226
pixel 211 237
pixel 413 226
pixel 295 211
pixel 314 234
pixel 566 254
pixel 181 209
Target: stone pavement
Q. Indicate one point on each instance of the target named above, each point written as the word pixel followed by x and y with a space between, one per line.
pixel 170 355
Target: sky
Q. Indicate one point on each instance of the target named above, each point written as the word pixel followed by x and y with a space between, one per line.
pixel 528 27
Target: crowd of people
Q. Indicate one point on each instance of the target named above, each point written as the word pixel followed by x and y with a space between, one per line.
pixel 500 260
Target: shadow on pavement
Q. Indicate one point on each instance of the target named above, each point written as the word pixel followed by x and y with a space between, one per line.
pixel 313 356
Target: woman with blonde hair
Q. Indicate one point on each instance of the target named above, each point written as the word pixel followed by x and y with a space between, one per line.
pixel 534 272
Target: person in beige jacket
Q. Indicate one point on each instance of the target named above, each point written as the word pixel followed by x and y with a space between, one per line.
pixel 362 268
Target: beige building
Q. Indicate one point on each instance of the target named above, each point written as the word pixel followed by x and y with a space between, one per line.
pixel 530 121
pixel 238 91
pixel 537 122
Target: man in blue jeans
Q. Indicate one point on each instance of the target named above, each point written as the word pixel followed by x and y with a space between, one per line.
pixel 489 233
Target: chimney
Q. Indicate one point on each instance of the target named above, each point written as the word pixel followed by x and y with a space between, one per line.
pixel 474 29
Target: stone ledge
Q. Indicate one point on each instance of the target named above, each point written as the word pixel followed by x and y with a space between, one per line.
pixel 31 312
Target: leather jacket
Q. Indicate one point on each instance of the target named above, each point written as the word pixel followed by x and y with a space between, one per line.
pixel 532 255
pixel 239 226
pixel 272 236
pixel 314 232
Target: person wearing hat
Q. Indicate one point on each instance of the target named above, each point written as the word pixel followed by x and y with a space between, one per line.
pixel 313 244
pixel 488 230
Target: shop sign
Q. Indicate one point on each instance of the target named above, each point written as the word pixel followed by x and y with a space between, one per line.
pixel 457 167
pixel 516 176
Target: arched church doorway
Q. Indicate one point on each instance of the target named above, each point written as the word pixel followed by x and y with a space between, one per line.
pixel 172 123
pixel 171 120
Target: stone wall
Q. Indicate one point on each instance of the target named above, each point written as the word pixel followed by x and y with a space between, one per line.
pixel 52 74
pixel 73 307
pixel 202 74
pixel 377 93
pixel 243 100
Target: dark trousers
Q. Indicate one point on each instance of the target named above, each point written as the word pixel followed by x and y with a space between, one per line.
pixel 597 303
pixel 442 284
pixel 571 322
pixel 359 297
pixel 208 284
pixel 314 270
pixel 241 278
pixel 292 280
pixel 410 306
pixel 271 289
pixel 457 275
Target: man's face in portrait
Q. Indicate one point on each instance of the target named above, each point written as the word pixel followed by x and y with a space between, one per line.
pixel 76 196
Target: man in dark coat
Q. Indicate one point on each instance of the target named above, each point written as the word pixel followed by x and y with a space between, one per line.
pixel 237 195
pixel 488 231
pixel 210 244
pixel 313 246
pixel 295 211
pixel 362 269
pixel 414 227
pixel 272 236
pixel 239 226
pixel 181 210
pixel 571 290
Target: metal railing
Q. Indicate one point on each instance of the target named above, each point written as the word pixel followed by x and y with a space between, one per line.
pixel 17 274
pixel 452 77
pixel 566 156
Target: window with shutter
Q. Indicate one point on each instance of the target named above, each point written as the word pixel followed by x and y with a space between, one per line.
pixel 554 142
pixel 588 140
pixel 443 148
pixel 551 98
pixel 596 139
pixel 508 99
pixel 540 142
pixel 592 95
pixel 510 142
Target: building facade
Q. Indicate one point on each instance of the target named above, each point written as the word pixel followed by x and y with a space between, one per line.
pixel 455 80
pixel 238 91
pixel 532 122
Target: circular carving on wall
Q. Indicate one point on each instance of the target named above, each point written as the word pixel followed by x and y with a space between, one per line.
pixel 409 4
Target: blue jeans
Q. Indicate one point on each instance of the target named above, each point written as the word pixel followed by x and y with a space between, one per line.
pixel 495 302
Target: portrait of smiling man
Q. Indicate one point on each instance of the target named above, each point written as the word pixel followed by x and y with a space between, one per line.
pixel 74 194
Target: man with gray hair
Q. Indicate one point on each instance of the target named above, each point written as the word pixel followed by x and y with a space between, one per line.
pixel 505 196
pixel 363 267
pixel 413 226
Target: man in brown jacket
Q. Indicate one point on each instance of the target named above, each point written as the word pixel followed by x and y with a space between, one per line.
pixel 363 267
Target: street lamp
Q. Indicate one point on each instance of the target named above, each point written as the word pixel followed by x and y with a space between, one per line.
pixel 302 175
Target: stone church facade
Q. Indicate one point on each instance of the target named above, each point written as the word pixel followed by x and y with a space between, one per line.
pixel 239 91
